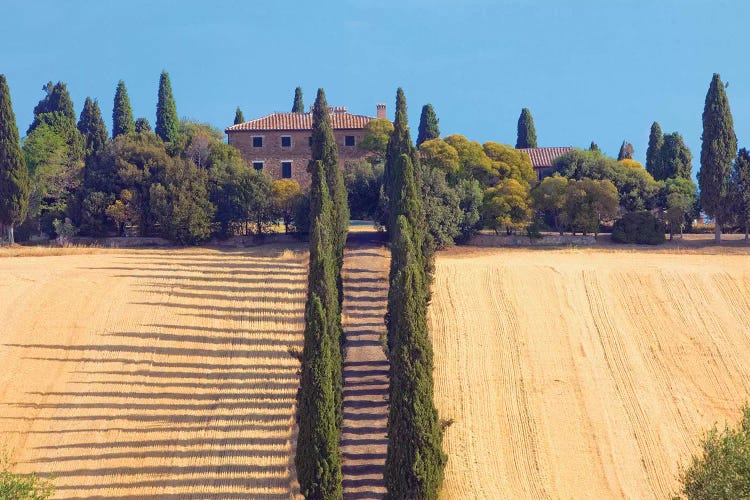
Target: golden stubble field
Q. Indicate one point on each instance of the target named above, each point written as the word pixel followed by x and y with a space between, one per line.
pixel 153 373
pixel 585 373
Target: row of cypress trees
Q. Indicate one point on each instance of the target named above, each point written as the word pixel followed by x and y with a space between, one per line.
pixel 415 460
pixel 320 397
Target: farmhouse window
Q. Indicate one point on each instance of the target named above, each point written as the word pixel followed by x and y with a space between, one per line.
pixel 286 141
pixel 258 141
pixel 349 140
pixel 258 165
pixel 286 170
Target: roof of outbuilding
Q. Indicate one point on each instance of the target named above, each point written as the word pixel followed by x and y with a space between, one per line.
pixel 300 121
pixel 543 157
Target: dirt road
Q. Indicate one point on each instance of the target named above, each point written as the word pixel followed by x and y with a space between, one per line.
pixel 153 373
pixel 585 374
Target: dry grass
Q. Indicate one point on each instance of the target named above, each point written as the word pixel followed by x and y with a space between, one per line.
pixel 49 251
pixel 153 373
pixel 585 373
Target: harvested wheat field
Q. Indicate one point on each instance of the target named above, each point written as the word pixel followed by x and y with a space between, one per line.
pixel 153 373
pixel 585 374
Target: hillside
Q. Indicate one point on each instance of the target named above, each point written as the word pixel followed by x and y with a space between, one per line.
pixel 585 374
pixel 153 373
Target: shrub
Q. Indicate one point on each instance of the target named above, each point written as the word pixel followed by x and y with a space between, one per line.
pixel 722 470
pixel 21 486
pixel 638 227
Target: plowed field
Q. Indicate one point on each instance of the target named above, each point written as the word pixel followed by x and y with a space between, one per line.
pixel 585 374
pixel 153 373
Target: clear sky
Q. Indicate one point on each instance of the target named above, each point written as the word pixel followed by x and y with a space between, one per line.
pixel 587 69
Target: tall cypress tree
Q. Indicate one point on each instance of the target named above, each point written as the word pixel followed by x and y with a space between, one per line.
pixel 92 127
pixel 324 149
pixel 428 125
pixel 238 116
pixel 594 147
pixel 718 148
pixel 122 113
pixel 676 160
pixel 318 458
pixel 740 189
pixel 14 177
pixel 653 153
pixel 167 122
pixel 526 131
pixel 626 151
pixel 298 106
pixel 399 143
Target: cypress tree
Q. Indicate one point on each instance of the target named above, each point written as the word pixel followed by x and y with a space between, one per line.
pixel 238 116
pixel 324 149
pixel 526 130
pixel 399 143
pixel 675 160
pixel 122 113
pixel 428 125
pixel 318 458
pixel 14 177
pixel 142 125
pixel 56 100
pixel 718 149
pixel 298 106
pixel 740 189
pixel 653 153
pixel 167 122
pixel 92 127
pixel 594 147
pixel 626 151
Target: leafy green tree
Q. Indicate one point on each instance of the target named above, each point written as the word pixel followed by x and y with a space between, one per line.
pixel 718 149
pixel 722 469
pixel 238 116
pixel 428 125
pixel 298 106
pixel 473 160
pixel 594 147
pixel 590 202
pixel 142 126
pixel 324 149
pixel 506 206
pixel 638 227
pixel 286 196
pixel 375 140
pixel 14 177
pixel 676 159
pixel 510 163
pixel 740 189
pixel 549 197
pixel 626 151
pixel 436 154
pixel 654 152
pixel 56 100
pixel 526 131
pixel 92 127
pixel 363 181
pixel 167 122
pixel 679 202
pixel 122 113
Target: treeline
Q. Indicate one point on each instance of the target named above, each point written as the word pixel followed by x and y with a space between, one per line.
pixel 180 180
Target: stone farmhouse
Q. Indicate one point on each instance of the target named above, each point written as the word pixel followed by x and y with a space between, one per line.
pixel 542 159
pixel 279 143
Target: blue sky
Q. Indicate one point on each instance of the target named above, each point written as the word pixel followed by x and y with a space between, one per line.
pixel 588 70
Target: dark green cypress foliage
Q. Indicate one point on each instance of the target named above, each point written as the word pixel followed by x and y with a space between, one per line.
pixel 526 131
pixel 318 458
pixel 428 125
pixel 415 460
pixel 626 151
pixel 676 159
pixel 653 153
pixel 238 116
pixel 594 147
pixel 14 177
pixel 718 149
pixel 56 100
pixel 92 127
pixel 298 106
pixel 142 126
pixel 324 149
pixel 740 189
pixel 122 113
pixel 399 143
pixel 167 122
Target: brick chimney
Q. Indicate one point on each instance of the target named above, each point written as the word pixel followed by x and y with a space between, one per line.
pixel 381 110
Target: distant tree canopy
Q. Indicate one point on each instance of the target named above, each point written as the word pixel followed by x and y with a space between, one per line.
pixel 626 151
pixel 167 122
pixel 238 116
pixel 526 131
pixel 428 125
pixel 56 100
pixel 122 113
pixel 298 106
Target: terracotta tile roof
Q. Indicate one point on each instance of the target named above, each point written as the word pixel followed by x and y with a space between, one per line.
pixel 300 121
pixel 543 157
